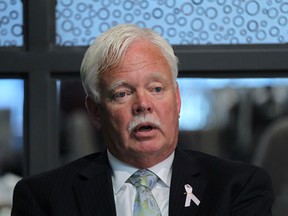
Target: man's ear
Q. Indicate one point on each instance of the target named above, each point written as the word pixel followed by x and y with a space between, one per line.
pixel 178 99
pixel 94 111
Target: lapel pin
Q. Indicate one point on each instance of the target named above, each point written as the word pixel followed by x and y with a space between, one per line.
pixel 190 196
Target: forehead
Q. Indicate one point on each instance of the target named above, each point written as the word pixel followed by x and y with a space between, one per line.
pixel 141 57
pixel 142 54
pixel 140 46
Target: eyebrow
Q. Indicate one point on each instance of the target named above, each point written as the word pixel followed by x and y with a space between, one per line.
pixel 158 77
pixel 122 83
pixel 117 84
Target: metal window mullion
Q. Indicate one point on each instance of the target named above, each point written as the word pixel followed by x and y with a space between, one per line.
pixel 42 150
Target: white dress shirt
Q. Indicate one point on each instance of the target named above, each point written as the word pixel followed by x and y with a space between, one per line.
pixel 124 193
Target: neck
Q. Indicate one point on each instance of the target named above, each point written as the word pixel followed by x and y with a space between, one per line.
pixel 144 161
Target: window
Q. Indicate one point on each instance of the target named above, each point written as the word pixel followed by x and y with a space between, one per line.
pixel 11 138
pixel 11 23
pixel 50 58
pixel 195 22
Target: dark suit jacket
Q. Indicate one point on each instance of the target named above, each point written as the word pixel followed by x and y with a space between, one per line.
pixel 84 187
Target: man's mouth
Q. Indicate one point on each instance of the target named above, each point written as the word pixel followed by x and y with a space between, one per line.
pixel 143 124
pixel 144 128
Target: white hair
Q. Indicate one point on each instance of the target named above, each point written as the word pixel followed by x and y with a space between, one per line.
pixel 110 47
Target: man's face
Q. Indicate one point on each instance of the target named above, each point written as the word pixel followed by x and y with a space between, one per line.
pixel 140 107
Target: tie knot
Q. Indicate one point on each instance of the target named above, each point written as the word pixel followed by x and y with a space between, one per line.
pixel 143 177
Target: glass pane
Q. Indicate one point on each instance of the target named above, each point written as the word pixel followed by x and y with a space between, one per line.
pixel 244 106
pixel 11 139
pixel 180 22
pixel 77 134
pixel 11 23
pixel 239 119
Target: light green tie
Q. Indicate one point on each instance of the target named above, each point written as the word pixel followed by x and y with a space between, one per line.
pixel 145 203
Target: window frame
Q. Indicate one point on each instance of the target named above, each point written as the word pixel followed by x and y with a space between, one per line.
pixel 40 62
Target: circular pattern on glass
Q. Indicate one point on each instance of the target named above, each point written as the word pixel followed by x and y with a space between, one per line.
pixel 67 13
pixel 272 13
pixel 3 6
pixel 261 35
pixel 187 9
pixel 252 26
pixel 158 29
pixel 67 25
pixel 282 21
pixel 157 13
pixel 103 14
pixel 238 21
pixel 66 2
pixel 180 22
pixel 197 2
pixel 17 30
pixel 170 19
pixel 81 7
pixel 128 5
pixel 11 23
pixel 197 24
pixel 117 13
pixel 252 8
pixel 170 3
pixel 128 18
pixel 211 13
pixel 172 32
pixel 284 8
pixel 87 23
pixel 274 31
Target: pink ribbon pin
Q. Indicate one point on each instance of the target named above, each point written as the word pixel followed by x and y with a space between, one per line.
pixel 190 196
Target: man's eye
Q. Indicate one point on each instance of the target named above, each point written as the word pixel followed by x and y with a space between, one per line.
pixel 158 89
pixel 119 95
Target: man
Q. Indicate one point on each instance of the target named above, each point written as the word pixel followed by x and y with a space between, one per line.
pixel 129 75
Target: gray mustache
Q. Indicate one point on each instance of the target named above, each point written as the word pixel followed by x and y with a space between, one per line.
pixel 137 120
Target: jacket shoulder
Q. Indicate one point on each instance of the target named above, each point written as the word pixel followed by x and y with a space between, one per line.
pixel 213 165
pixel 63 174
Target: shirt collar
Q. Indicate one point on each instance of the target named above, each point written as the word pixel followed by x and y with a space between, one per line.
pixel 122 171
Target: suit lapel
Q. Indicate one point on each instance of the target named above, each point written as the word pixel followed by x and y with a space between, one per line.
pixel 185 171
pixel 93 189
pixel 94 192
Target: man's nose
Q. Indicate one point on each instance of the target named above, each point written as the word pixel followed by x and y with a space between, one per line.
pixel 142 104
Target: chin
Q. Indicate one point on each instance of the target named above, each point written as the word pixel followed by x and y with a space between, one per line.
pixel 151 148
